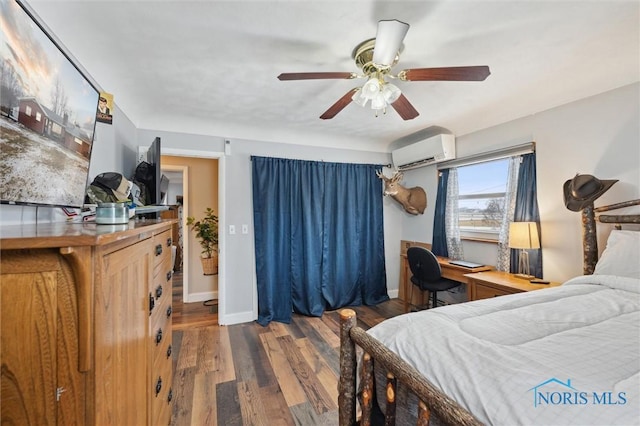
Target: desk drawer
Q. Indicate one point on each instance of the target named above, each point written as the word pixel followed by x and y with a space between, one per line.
pixel 486 292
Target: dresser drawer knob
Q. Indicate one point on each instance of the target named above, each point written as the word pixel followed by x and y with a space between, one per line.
pixel 158 249
pixel 169 311
pixel 158 291
pixel 158 386
pixel 152 303
pixel 170 396
pixel 169 350
pixel 169 242
pixel 158 337
pixel 169 275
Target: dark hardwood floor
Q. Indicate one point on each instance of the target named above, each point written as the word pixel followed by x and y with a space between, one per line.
pixel 246 374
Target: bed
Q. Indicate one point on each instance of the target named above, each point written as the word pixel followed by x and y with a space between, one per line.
pixel 563 355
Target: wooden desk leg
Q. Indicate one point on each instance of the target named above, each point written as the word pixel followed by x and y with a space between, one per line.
pixel 406 294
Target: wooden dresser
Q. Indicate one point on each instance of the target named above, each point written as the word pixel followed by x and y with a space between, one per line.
pixel 86 323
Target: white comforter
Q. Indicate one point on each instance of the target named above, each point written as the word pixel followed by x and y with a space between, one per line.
pixel 558 356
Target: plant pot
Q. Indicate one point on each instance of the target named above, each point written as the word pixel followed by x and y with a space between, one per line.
pixel 209 265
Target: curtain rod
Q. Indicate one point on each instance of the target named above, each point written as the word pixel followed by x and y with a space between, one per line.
pixel 521 149
pixel 388 165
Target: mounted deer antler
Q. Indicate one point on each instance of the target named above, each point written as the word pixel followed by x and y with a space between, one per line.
pixel 413 200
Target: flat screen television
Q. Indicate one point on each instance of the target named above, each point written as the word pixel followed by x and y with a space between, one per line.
pixel 47 115
pixel 153 158
pixel 164 188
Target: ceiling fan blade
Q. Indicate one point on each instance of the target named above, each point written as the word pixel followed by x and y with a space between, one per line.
pixel 477 73
pixel 339 105
pixel 389 39
pixel 404 108
pixel 285 76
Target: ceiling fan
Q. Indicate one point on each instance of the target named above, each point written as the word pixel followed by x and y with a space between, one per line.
pixel 375 57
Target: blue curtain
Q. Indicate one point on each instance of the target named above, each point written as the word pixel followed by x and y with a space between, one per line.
pixel 439 241
pixel 526 210
pixel 319 239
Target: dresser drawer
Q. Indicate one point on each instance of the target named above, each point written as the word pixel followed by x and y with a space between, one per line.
pixel 162 243
pixel 160 338
pixel 162 273
pixel 161 392
pixel 160 285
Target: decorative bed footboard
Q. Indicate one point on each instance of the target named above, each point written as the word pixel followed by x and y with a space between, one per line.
pixel 431 399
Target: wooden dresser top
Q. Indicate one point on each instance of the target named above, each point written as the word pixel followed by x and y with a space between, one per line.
pixel 47 235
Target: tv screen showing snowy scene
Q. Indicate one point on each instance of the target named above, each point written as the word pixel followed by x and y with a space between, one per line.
pixel 47 113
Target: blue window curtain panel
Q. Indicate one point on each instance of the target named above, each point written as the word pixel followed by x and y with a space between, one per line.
pixel 526 210
pixel 439 242
pixel 319 238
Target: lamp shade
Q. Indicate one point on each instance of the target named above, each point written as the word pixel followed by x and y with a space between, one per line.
pixel 523 235
pixel 391 93
pixel 371 88
pixel 359 98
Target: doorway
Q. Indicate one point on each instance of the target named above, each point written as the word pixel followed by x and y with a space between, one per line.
pixel 201 175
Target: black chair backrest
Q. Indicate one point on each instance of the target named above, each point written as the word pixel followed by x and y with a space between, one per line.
pixel 423 264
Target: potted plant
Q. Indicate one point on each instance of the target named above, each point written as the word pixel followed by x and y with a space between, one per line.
pixel 206 230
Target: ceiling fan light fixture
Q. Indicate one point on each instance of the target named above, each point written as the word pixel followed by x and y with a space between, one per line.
pixel 379 92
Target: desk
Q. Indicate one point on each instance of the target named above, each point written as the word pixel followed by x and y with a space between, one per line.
pixel 452 272
pixel 484 285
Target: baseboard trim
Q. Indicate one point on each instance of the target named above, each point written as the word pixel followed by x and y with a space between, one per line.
pixel 237 318
pixel 201 297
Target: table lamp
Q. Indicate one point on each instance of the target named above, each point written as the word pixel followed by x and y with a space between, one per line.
pixel 523 236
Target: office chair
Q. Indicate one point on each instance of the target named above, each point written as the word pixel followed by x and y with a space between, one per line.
pixel 427 274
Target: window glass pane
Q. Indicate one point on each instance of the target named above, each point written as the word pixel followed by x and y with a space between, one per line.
pixel 482 189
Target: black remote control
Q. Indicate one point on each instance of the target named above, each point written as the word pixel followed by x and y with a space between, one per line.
pixel 538 281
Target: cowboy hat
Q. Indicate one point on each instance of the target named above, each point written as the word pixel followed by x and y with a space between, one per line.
pixel 583 190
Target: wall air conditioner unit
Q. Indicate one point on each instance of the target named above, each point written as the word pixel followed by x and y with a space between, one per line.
pixel 429 151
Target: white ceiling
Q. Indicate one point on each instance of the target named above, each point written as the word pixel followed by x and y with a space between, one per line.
pixel 210 67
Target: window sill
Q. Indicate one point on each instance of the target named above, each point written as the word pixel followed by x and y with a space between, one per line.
pixel 479 240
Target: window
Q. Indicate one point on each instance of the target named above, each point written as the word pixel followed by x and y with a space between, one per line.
pixel 481 198
pixel 56 129
pixel 38 116
pixel 27 110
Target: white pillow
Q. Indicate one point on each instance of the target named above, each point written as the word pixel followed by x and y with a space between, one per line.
pixel 621 256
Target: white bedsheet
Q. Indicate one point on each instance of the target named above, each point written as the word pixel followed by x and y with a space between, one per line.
pixel 558 356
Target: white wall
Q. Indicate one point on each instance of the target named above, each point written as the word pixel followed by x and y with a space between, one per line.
pixel 598 135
